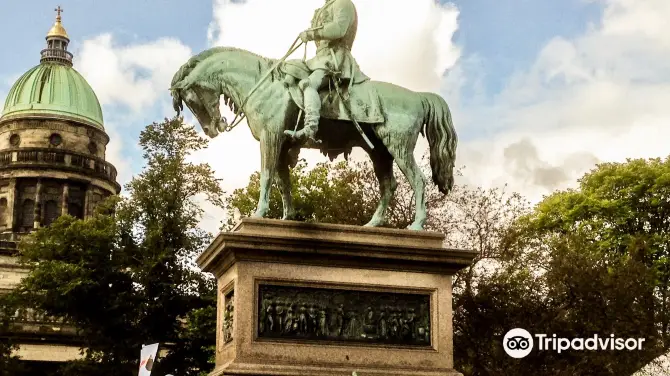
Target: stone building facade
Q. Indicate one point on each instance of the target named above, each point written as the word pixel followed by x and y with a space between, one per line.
pixel 52 162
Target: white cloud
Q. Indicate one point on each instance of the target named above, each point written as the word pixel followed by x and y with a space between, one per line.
pixel 133 75
pixel 410 45
pixel 642 19
pixel 599 97
pixel 136 76
pixel 117 154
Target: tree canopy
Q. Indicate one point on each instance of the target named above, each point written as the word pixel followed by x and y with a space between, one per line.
pixel 125 276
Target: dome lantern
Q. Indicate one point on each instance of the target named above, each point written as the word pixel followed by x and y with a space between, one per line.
pixel 53 89
pixel 57 41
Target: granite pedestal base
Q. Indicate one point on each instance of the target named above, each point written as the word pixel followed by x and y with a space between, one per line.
pixel 320 299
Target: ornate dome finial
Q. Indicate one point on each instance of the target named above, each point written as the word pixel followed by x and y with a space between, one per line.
pixel 57 30
pixel 57 41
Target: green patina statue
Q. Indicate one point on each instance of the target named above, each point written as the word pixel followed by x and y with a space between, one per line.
pixel 343 109
pixel 333 30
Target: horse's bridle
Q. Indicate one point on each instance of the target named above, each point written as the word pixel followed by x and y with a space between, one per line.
pixel 209 112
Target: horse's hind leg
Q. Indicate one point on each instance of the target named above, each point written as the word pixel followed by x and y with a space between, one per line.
pixel 404 157
pixel 283 180
pixel 382 161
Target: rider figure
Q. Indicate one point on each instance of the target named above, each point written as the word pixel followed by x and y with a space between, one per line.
pixel 333 30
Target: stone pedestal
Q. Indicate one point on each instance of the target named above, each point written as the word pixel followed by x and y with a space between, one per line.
pixel 321 299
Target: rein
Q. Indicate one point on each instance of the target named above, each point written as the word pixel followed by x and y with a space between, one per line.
pixel 294 47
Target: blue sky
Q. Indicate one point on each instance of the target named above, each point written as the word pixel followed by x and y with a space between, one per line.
pixel 506 34
pixel 526 79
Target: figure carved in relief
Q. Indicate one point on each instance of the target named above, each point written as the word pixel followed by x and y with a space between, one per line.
pixel 339 320
pixel 288 321
pixel 353 328
pixel 322 330
pixel 263 316
pixel 279 315
pixel 269 319
pixel 382 325
pixel 370 326
pixel 312 323
pixel 228 319
pixel 410 324
pixel 302 319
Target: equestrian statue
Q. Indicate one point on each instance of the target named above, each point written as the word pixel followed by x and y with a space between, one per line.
pixel 342 109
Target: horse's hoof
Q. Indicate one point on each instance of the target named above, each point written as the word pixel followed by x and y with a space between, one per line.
pixel 415 227
pixel 288 217
pixel 374 223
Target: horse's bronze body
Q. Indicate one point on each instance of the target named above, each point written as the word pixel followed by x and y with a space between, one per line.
pixel 232 73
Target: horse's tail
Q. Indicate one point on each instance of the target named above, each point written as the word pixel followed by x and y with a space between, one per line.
pixel 442 140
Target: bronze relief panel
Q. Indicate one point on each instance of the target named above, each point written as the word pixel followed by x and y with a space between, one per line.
pixel 329 314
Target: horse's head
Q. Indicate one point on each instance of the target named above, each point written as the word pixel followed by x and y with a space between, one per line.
pixel 202 98
pixel 207 76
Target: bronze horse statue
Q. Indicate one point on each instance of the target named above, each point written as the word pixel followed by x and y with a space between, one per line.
pixel 233 73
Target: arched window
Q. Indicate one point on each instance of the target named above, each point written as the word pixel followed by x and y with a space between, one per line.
pixel 51 212
pixel 75 210
pixel 27 214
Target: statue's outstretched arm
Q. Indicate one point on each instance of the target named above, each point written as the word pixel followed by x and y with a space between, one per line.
pixel 344 14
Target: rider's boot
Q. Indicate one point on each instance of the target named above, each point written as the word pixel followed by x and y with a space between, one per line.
pixel 312 116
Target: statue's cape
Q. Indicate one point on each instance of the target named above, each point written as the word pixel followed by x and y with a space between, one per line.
pixel 362 97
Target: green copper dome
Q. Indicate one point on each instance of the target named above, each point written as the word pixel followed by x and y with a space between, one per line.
pixel 55 89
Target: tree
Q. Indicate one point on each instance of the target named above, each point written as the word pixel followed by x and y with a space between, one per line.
pixel 570 290
pixel 587 261
pixel 125 276
pixel 621 208
pixel 9 362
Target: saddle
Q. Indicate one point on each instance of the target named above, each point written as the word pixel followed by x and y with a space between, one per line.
pixel 362 98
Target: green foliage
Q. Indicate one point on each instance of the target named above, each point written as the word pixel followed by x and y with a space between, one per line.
pixel 9 363
pixel 571 291
pixel 78 273
pixel 124 277
pixel 587 261
pixel 622 207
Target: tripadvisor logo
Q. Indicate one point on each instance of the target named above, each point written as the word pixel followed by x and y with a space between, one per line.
pixel 518 343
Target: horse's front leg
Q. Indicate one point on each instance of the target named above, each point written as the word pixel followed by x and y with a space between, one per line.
pixel 270 148
pixel 283 179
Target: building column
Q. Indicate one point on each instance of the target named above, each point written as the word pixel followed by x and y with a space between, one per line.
pixel 87 201
pixel 11 205
pixel 65 200
pixel 38 205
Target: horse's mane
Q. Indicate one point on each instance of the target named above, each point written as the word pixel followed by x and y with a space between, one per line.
pixel 187 68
